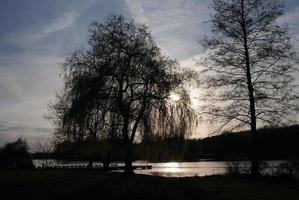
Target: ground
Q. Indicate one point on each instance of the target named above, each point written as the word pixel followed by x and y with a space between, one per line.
pixel 84 184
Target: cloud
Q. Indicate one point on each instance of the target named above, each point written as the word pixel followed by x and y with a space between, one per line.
pixel 11 131
pixel 41 38
pixel 291 18
pixel 137 11
pixel 27 85
pixel 176 25
pixel 61 23
pixel 23 128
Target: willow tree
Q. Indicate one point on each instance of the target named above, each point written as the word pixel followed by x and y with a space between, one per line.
pixel 125 81
pixel 249 68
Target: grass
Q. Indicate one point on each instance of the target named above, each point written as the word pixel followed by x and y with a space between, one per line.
pixel 84 184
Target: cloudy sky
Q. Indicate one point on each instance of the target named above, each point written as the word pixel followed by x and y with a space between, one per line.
pixel 37 35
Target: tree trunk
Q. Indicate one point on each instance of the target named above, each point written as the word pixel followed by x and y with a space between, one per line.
pixel 94 138
pixel 254 155
pixel 128 160
pixel 254 152
pixel 90 162
pixel 254 146
pixel 107 161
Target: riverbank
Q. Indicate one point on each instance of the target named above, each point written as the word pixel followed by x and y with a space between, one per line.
pixel 84 184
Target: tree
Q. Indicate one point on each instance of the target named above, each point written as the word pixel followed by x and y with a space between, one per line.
pixel 249 68
pixel 125 83
pixel 43 150
pixel 15 155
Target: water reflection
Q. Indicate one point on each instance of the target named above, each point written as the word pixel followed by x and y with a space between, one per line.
pixel 185 169
pixel 177 169
pixel 171 167
pixel 203 168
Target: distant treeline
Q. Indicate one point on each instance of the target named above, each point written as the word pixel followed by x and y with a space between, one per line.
pixel 273 143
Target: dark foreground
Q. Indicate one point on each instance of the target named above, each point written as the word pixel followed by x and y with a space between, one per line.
pixel 75 184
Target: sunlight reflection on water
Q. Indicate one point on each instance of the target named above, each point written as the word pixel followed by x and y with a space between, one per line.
pixel 185 169
pixel 171 167
pixel 203 168
pixel 176 169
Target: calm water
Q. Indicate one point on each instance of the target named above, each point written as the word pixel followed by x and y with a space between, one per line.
pixel 203 168
pixel 179 169
pixel 184 169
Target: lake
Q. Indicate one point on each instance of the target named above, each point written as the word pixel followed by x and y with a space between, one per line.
pixel 205 168
pixel 179 169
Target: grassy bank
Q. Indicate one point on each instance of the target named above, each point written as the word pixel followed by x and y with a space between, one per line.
pixel 75 184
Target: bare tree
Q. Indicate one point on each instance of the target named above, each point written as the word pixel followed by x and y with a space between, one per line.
pixel 248 71
pixel 122 81
pixel 46 149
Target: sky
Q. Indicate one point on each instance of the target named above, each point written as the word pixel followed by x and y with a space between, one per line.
pixel 37 35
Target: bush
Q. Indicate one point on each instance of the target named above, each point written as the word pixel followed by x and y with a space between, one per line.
pixel 289 168
pixel 236 168
pixel 15 155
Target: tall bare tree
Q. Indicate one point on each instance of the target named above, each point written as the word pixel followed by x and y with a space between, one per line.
pixel 248 71
pixel 124 83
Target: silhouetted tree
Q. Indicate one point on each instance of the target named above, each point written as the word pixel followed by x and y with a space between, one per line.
pixel 15 155
pixel 249 68
pixel 123 83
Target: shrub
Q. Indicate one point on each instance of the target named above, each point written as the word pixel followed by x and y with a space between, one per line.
pixel 15 155
pixel 289 168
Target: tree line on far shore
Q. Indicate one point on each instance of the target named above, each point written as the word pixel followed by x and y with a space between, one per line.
pixel 275 144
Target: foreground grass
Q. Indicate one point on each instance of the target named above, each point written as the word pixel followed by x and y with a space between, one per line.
pixel 76 184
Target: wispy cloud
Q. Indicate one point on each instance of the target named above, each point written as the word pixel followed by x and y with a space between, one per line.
pixel 61 23
pixel 43 38
pixel 291 18
pixel 27 84
pixel 135 6
pixel 10 132
pixel 176 25
pixel 21 128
